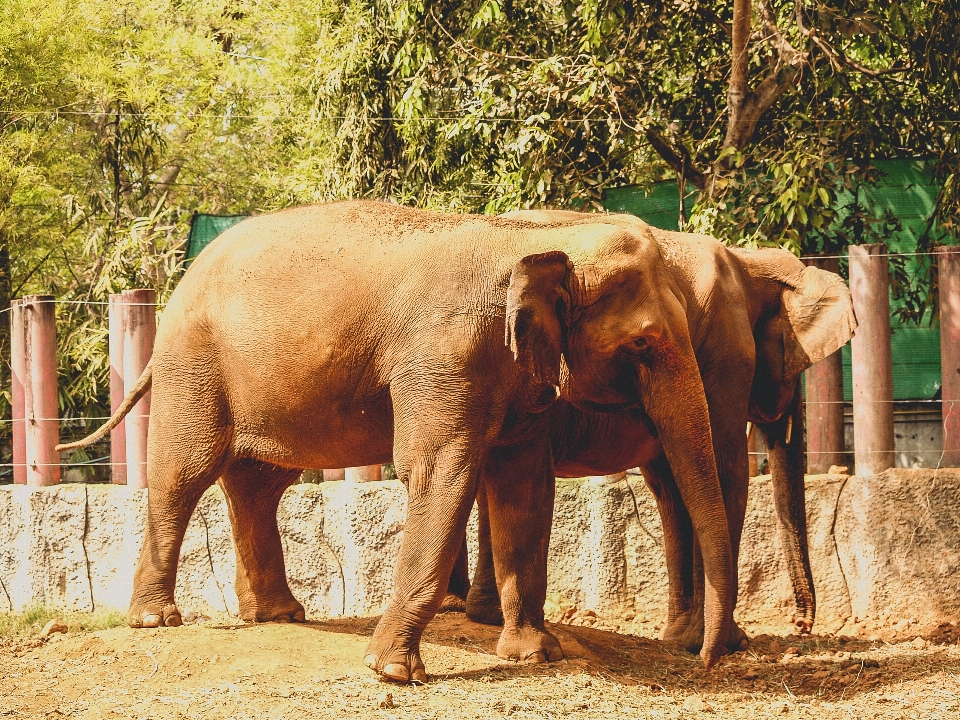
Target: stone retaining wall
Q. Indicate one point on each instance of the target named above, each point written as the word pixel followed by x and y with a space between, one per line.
pixel 883 548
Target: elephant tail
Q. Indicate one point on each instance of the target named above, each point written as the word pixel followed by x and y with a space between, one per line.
pixel 139 390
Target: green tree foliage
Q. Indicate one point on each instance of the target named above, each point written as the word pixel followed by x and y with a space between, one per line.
pixel 119 120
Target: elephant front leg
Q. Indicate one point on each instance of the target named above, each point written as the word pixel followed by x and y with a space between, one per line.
pixel 253 491
pixel 519 485
pixel 441 487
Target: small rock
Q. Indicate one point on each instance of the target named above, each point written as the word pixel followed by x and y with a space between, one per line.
pixel 54 626
pixel 629 616
pixel 919 643
pixel 751 674
pixel 589 613
pixel 386 701
pixel 787 657
pixel 694 703
pixel 871 663
pixel 841 656
pixel 792 650
pixel 775 647
pixel 838 470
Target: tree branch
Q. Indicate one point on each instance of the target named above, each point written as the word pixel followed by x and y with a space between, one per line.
pixel 744 108
pixel 677 157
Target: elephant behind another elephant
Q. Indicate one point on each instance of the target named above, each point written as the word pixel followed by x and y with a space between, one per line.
pixel 757 319
pixel 275 353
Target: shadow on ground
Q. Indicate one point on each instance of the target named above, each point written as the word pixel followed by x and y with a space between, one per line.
pixel 821 666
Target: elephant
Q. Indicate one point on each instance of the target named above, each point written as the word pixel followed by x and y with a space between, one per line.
pixel 355 332
pixel 757 319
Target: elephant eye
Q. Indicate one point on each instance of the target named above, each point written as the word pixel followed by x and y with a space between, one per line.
pixel 638 346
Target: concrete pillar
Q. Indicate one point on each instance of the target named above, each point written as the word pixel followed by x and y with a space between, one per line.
pixel 118 436
pixel 824 402
pixel 334 474
pixel 872 362
pixel 40 390
pixel 753 454
pixel 139 331
pixel 364 473
pixel 948 264
pixel 18 371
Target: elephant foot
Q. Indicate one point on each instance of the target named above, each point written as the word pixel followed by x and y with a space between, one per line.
pixel 483 607
pixel 284 610
pixel 529 644
pixel 152 615
pixel 452 603
pixel 396 664
pixel 686 631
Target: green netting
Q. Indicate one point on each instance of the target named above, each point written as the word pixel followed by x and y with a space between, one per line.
pixel 204 228
pixel 908 191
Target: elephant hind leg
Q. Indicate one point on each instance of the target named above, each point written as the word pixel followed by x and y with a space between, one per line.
pixel 483 601
pixel 459 586
pixel 185 457
pixel 253 491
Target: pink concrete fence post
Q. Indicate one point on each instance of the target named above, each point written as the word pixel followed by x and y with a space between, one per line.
pixel 364 473
pixel 824 409
pixel 40 390
pixel 118 436
pixel 139 331
pixel 334 474
pixel 872 361
pixel 824 403
pixel 18 372
pixel 948 262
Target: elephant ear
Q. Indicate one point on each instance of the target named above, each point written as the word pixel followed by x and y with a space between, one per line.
pixel 814 320
pixel 537 303
pixel 820 315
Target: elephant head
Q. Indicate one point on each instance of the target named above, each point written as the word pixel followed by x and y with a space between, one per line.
pixel 805 314
pixel 608 329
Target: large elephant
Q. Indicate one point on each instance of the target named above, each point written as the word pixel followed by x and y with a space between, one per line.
pixel 757 320
pixel 356 332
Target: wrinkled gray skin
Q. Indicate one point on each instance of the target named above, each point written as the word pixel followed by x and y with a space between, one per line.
pixel 352 333
pixel 757 319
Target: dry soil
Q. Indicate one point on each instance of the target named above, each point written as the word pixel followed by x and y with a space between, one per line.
pixel 220 669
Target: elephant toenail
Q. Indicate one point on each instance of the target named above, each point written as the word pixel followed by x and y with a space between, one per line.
pixel 538 656
pixel 556 654
pixel 150 621
pixel 370 661
pixel 282 619
pixel 396 672
pixel 174 621
pixel 419 676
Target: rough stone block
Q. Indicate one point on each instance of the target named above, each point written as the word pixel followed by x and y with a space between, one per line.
pixel 898 540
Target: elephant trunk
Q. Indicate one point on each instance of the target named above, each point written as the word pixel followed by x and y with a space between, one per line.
pixel 675 400
pixel 786 443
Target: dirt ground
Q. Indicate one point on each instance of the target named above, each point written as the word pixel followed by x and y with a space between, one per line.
pixel 221 669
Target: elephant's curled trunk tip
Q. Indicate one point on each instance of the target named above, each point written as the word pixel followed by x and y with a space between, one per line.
pixel 139 390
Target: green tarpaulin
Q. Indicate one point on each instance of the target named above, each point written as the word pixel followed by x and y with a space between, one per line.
pixel 908 191
pixel 204 228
